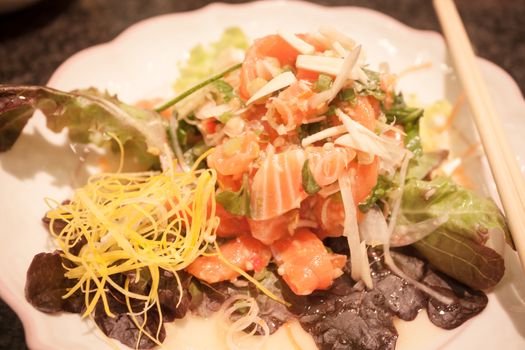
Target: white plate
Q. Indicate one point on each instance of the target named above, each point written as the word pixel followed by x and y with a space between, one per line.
pixel 141 62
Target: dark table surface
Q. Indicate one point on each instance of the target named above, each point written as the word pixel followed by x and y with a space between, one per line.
pixel 36 40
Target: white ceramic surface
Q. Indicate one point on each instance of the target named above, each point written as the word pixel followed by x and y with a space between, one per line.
pixel 142 62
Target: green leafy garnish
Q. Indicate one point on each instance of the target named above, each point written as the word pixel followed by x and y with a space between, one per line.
pixel 202 61
pixel 225 89
pixel 236 203
pixel 470 214
pixel 409 118
pixel 324 82
pixel 91 117
pixel 467 261
pixel 402 114
pixel 347 95
pixel 372 87
pixel 310 186
pixel 380 191
pixel 457 246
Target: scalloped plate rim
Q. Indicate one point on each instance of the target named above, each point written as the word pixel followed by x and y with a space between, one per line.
pixel 37 339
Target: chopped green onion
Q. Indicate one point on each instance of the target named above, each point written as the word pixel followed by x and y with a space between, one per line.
pixel 310 186
pixel 348 95
pixel 323 83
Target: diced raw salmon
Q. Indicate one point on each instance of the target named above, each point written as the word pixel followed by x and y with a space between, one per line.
pixel 365 179
pixel 230 225
pixel 271 230
pixel 269 46
pixel 234 156
pixel 305 264
pixel 244 252
pixel 277 185
pixel 363 112
pixel 329 162
pixel 291 108
pixel 330 215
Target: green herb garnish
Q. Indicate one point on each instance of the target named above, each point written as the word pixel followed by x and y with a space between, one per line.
pixel 236 203
pixel 348 95
pixel 225 89
pixel 324 82
pixel 381 190
pixel 310 186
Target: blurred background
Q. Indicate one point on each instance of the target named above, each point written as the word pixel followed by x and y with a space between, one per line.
pixel 36 36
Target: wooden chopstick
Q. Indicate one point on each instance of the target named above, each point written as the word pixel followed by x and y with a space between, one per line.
pixel 503 164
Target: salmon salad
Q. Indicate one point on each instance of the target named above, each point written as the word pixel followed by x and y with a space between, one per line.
pixel 287 181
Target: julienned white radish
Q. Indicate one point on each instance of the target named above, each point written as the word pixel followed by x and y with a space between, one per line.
pixel 360 138
pixel 358 255
pixel 279 82
pixel 343 74
pixel 297 43
pixel 321 64
pixel 212 111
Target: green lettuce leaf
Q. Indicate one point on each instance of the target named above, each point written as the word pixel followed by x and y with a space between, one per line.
pixel 420 167
pixel 90 116
pixel 469 214
pixel 456 247
pixel 469 262
pixel 203 61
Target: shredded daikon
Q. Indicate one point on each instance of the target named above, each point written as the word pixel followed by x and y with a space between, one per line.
pixel 362 139
pixel 246 311
pixel 279 82
pixel 323 134
pixel 343 74
pixel 396 206
pixel 296 42
pixel 358 254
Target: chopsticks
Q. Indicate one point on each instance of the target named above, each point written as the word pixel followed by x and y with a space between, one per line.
pixel 503 164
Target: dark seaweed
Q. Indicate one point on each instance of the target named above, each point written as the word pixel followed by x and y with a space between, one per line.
pixel 46 284
pixel 207 299
pixel 348 316
pixel 467 302
pixel 123 328
pixel 172 304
